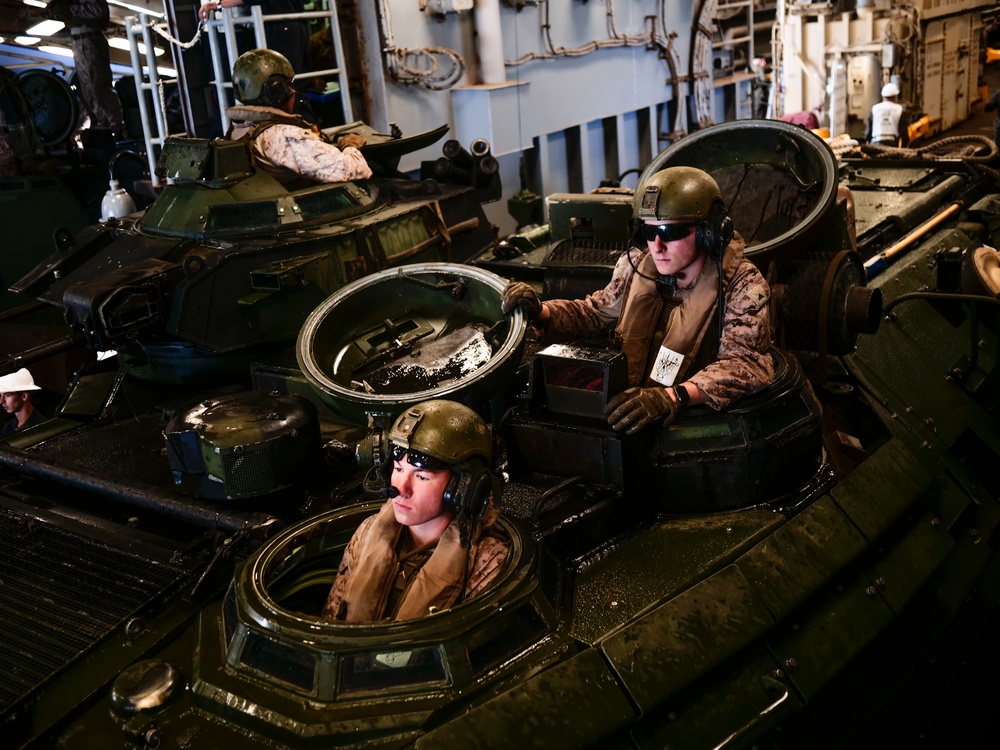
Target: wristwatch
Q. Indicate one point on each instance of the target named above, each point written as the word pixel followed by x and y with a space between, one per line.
pixel 682 395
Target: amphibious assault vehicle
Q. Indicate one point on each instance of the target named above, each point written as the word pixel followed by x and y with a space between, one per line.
pixel 226 263
pixel 734 580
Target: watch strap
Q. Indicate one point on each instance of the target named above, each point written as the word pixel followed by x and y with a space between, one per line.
pixel 683 397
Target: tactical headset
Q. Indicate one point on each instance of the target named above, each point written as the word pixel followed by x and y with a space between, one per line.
pixel 275 91
pixel 712 234
pixel 715 233
pixel 469 488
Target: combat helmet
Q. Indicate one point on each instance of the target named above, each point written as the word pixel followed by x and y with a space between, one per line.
pixel 252 72
pixel 677 193
pixel 685 194
pixel 439 434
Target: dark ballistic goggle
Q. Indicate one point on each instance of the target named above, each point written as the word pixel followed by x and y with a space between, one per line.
pixel 666 232
pixel 418 459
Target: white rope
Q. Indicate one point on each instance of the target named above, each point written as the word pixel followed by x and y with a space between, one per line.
pixel 161 30
pixel 163 108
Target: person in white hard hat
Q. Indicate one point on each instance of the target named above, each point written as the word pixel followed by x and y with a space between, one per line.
pixel 888 122
pixel 15 395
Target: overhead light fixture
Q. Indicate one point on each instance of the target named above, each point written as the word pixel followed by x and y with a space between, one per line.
pixel 36 3
pixel 27 41
pixel 166 72
pixel 121 43
pixel 46 28
pixel 136 8
pixel 54 49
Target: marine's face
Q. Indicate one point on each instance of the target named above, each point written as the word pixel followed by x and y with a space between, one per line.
pixel 12 402
pixel 675 257
pixel 420 500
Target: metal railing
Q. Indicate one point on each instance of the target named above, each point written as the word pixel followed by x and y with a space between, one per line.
pixel 136 28
pixel 154 124
pixel 228 23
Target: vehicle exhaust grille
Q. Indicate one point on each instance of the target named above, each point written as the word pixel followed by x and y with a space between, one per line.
pixel 578 252
pixel 61 593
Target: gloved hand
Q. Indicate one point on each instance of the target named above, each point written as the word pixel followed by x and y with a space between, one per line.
pixel 635 408
pixel 520 294
pixel 351 139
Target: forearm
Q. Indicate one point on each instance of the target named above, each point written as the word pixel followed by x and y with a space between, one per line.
pixel 566 320
pixel 307 154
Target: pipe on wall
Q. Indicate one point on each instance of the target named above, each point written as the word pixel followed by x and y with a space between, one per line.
pixel 490 42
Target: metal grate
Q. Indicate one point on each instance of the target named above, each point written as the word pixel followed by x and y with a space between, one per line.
pixel 250 472
pixel 580 252
pixel 60 594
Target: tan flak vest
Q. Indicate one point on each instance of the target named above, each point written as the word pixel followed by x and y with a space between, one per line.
pixel 690 330
pixel 435 586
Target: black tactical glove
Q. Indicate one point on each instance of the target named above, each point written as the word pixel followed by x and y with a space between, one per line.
pixel 635 408
pixel 520 294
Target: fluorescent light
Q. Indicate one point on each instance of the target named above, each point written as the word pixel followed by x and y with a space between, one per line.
pixel 136 8
pixel 121 43
pixel 53 49
pixel 166 72
pixel 36 3
pixel 46 28
pixel 27 41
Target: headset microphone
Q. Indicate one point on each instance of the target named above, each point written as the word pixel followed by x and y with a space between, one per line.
pixel 659 279
pixel 389 492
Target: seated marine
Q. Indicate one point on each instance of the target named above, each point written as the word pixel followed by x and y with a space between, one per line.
pixel 663 305
pixel 431 546
pixel 290 149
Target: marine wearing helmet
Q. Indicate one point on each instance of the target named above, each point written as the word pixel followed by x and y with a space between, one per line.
pixel 286 146
pixel 263 76
pixel 690 311
pixel 432 545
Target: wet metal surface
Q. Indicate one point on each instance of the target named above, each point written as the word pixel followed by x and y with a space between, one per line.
pixel 434 363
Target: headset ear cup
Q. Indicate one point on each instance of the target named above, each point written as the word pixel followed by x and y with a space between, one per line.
pixel 480 487
pixel 452 496
pixel 468 491
pixel 726 232
pixel 717 231
pixel 703 238
pixel 277 89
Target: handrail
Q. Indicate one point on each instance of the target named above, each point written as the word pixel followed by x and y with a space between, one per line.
pixel 228 23
pixel 769 683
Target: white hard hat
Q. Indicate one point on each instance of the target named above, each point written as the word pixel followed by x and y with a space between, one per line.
pixel 890 89
pixel 17 382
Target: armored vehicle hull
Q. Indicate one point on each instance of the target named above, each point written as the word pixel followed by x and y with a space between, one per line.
pixel 733 580
pixel 227 263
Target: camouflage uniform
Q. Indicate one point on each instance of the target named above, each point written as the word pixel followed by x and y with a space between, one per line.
pixel 742 364
pixel 489 553
pixel 290 149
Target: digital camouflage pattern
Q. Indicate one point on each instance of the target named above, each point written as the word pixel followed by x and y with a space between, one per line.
pixel 289 148
pixel 488 555
pixel 743 364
